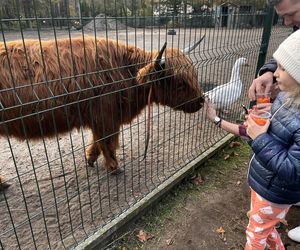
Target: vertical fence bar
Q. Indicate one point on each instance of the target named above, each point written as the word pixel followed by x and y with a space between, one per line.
pixel 265 38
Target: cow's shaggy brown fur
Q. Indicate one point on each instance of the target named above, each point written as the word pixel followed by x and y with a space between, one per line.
pixel 51 87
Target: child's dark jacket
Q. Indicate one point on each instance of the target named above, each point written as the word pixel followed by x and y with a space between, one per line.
pixel 274 171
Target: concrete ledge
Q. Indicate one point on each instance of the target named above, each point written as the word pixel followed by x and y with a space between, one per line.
pixel 103 236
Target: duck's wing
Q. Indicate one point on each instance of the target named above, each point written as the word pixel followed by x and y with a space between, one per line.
pixel 233 91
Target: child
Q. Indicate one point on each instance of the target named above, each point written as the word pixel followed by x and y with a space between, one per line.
pixel 274 169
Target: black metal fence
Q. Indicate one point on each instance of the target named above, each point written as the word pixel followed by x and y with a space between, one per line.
pixel 60 82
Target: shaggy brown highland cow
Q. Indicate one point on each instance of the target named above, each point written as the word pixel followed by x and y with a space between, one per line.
pixel 51 87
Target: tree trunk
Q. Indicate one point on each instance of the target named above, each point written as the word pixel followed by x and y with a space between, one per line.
pixel 79 11
pixel 27 13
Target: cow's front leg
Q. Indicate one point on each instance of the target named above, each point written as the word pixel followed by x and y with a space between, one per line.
pixel 108 148
pixel 3 185
pixel 93 150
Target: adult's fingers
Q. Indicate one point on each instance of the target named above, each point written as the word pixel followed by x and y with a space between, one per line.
pixel 256 87
pixel 267 79
pixel 252 90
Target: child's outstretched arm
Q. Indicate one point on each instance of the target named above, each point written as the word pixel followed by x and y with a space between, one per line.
pixel 233 128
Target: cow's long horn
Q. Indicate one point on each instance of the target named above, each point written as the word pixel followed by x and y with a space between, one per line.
pixel 160 59
pixel 189 49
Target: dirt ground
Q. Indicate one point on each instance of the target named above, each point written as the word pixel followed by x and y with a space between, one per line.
pixel 195 210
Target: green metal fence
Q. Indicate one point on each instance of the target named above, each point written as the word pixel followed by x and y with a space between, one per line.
pixel 56 199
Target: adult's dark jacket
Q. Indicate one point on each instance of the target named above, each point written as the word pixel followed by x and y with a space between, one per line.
pixel 274 170
pixel 271 65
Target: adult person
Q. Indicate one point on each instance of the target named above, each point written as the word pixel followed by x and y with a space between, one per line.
pixel 290 11
pixel 274 169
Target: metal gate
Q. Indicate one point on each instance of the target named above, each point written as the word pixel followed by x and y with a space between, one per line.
pixel 80 53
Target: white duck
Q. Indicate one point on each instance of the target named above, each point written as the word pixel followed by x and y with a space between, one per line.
pixel 224 95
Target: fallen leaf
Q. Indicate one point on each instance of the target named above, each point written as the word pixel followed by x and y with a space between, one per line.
pixel 197 180
pixel 235 144
pixel 226 157
pixel 169 242
pixel 144 236
pixel 220 230
pixel 238 183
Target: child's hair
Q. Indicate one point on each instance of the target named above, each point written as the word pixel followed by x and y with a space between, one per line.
pixel 294 96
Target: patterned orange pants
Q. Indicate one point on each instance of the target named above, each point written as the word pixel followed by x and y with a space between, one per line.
pixel 263 217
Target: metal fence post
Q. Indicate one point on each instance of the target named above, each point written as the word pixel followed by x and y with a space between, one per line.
pixel 265 38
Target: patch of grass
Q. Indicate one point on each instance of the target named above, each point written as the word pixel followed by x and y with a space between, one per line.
pixel 208 177
pixel 216 169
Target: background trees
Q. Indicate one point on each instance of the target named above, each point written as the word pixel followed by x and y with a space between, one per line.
pixel 27 10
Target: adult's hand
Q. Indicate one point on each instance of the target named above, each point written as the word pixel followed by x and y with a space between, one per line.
pixel 261 84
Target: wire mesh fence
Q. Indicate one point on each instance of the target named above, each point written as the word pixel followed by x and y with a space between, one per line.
pixel 75 80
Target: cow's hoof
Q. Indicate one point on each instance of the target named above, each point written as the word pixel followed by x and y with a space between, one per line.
pixel 117 171
pixel 4 186
pixel 90 160
pixel 91 163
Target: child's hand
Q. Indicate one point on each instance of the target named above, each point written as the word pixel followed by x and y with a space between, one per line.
pixel 211 111
pixel 253 129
